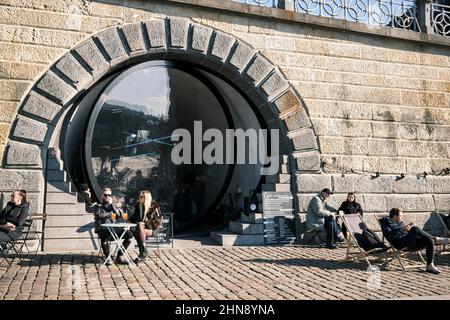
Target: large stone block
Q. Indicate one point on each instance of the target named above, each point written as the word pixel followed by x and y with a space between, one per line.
pixel 30 180
pixel 313 183
pixel 178 32
pixel 112 44
pixel 303 201
pixel 305 139
pixel 242 55
pixel 93 58
pixel 288 101
pixel 221 46
pixel 275 84
pixel 258 69
pixel 344 184
pixel 297 120
pixel 409 184
pixel 37 105
pixel 134 37
pixel 442 202
pixel 436 184
pixel 23 154
pixel 72 69
pixel 392 165
pixel 156 31
pixel 374 203
pixel 200 38
pixel 29 129
pixel 382 147
pixel 308 161
pixel 410 202
pixel 54 86
pixel 370 184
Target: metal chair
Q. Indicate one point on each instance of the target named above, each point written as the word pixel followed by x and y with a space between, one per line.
pixel 163 233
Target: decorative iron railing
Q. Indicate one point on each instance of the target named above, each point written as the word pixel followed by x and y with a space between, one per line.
pixel 440 19
pixel 416 15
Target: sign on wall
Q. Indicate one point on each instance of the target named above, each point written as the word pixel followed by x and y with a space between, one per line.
pixel 278 217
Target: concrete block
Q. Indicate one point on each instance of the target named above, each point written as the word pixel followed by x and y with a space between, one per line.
pixel 313 183
pixel 73 70
pixel 23 154
pixel 30 180
pixel 89 52
pixel 37 105
pixel 29 129
pixel 54 86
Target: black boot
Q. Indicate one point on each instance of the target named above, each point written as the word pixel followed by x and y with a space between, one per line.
pixel 142 252
pixel 105 250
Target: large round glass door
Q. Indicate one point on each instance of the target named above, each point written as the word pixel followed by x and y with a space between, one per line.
pixel 130 141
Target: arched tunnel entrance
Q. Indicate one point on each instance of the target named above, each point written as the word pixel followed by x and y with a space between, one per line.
pixel 123 128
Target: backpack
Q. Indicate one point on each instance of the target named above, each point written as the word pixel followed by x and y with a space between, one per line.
pixel 370 240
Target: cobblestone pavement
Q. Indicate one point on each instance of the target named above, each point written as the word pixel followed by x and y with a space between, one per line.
pixel 217 273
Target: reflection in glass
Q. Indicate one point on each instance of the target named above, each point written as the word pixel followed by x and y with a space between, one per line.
pixel 131 140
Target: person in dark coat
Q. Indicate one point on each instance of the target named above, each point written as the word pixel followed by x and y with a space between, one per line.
pixel 350 206
pixel 104 215
pixel 13 216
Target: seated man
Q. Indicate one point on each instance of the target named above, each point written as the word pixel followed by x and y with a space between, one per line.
pixel 103 215
pixel 320 216
pixel 13 216
pixel 410 237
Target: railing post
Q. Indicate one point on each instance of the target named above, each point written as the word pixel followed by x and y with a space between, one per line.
pixel 284 4
pixel 424 16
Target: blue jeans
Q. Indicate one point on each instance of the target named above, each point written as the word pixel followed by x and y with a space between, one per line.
pixel 332 229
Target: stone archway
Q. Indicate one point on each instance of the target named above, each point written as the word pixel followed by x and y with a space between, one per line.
pixel 170 38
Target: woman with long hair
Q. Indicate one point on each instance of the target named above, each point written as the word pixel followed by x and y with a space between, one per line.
pixel 13 216
pixel 350 206
pixel 148 217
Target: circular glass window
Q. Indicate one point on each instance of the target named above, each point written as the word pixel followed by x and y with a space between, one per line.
pixel 131 137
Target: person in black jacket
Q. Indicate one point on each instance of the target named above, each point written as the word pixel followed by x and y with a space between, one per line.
pixel 350 206
pixel 103 215
pixel 410 236
pixel 13 216
pixel 147 215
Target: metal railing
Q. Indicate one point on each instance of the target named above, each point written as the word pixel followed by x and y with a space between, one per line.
pixel 416 15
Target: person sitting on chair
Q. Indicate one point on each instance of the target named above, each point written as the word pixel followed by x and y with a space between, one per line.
pixel 13 216
pixel 350 206
pixel 103 215
pixel 148 217
pixel 320 216
pixel 410 236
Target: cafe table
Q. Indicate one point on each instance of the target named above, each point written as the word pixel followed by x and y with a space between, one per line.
pixel 117 231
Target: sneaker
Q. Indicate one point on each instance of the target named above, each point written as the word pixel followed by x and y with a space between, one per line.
pixel 432 269
pixel 443 241
pixel 340 239
pixel 331 246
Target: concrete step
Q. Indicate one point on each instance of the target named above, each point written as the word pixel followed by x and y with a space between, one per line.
pixel 226 238
pixel 252 218
pixel 284 168
pixel 62 197
pixel 246 228
pixel 278 187
pixel 69 220
pixel 65 208
pixel 82 232
pixel 56 175
pixel 284 159
pixel 70 245
pixel 59 186
pixel 279 178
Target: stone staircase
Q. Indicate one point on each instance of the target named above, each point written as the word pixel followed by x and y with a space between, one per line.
pixel 249 229
pixel 69 227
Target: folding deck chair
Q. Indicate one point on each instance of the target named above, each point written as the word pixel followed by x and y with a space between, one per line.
pixel 440 217
pixel 355 227
pixel 404 253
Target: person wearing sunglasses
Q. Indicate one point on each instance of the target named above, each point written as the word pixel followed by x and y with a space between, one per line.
pixel 104 215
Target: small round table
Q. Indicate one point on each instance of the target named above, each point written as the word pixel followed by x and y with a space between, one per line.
pixel 117 239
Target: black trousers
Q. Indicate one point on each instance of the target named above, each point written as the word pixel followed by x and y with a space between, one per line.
pixel 332 229
pixel 9 236
pixel 105 237
pixel 417 239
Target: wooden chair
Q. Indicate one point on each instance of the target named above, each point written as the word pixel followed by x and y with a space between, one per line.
pixel 355 227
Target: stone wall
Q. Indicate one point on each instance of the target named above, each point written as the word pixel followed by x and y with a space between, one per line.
pixel 376 103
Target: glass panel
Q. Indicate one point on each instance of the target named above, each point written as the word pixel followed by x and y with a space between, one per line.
pixel 131 141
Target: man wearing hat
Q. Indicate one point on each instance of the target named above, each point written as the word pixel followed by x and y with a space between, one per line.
pixel 320 216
